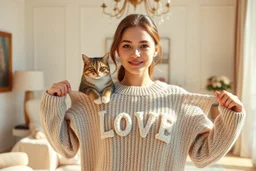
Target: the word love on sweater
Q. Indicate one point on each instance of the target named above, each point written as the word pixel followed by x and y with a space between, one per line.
pixel 163 132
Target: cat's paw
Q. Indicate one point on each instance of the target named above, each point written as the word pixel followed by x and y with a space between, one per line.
pixel 105 99
pixel 39 135
pixel 98 101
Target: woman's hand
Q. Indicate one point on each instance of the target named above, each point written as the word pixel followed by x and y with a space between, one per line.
pixel 229 101
pixel 59 89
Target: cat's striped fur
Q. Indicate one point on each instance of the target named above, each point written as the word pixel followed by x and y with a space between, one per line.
pixel 96 79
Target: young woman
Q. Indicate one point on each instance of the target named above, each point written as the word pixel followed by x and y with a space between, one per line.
pixel 147 125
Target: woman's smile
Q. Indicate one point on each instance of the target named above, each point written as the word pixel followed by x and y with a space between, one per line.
pixel 135 63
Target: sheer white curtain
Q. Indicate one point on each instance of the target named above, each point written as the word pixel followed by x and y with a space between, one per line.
pixel 246 79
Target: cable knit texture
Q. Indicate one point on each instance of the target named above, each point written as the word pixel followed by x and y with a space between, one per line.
pixel 148 128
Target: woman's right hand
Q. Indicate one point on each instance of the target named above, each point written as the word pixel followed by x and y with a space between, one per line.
pixel 61 88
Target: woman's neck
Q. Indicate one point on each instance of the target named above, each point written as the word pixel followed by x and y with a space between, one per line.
pixel 136 80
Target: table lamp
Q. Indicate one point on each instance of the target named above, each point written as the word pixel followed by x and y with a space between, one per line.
pixel 28 81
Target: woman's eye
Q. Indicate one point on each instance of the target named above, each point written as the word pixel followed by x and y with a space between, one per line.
pixel 126 46
pixel 144 46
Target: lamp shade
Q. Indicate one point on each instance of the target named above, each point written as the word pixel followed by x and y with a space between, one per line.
pixel 28 80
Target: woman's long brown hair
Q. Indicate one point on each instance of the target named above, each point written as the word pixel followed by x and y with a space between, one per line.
pixel 148 25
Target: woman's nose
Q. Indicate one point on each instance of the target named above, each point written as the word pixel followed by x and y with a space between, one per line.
pixel 136 53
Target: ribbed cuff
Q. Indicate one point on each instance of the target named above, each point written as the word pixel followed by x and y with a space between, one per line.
pixel 232 118
pixel 226 112
pixel 53 106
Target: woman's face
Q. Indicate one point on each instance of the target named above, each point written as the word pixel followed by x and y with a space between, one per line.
pixel 136 51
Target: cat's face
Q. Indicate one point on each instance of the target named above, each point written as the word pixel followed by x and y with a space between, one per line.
pixel 96 68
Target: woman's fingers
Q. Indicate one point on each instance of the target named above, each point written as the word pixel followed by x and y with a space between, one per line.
pixel 68 84
pixel 231 105
pixel 60 88
pixel 229 101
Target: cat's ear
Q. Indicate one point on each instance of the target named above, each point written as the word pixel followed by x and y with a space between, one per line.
pixel 85 58
pixel 105 57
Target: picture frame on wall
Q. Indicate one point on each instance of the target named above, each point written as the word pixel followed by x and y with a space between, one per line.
pixel 108 43
pixel 163 69
pixel 166 44
pixel 5 61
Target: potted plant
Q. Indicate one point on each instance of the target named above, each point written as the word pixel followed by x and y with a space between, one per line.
pixel 218 83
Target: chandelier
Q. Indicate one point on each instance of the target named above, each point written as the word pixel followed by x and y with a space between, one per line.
pixel 155 8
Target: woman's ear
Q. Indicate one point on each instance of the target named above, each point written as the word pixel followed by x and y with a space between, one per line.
pixel 156 51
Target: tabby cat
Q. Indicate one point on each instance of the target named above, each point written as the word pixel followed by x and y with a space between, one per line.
pixel 96 79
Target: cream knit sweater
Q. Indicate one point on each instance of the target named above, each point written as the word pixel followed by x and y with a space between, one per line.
pixel 150 128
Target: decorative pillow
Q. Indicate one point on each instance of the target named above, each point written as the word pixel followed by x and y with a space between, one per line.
pixel 13 159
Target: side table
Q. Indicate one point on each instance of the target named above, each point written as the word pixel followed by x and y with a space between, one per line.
pixel 21 130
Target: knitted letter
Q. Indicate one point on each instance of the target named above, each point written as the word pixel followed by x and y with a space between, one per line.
pixel 165 128
pixel 144 130
pixel 128 124
pixel 102 128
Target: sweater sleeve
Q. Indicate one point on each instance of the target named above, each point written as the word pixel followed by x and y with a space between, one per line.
pixel 214 141
pixel 57 126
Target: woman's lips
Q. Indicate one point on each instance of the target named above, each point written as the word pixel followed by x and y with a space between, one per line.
pixel 135 63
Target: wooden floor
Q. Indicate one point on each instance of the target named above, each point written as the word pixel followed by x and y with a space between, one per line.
pixel 227 163
pixel 235 163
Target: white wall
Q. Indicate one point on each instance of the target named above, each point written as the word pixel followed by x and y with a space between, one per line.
pixel 11 109
pixel 201 33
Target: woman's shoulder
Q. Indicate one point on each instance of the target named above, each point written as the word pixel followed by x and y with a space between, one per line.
pixel 77 97
pixel 177 91
pixel 174 89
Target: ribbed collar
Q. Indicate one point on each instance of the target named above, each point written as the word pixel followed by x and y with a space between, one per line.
pixel 157 87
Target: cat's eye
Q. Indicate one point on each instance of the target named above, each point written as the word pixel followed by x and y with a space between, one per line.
pixel 103 69
pixel 91 69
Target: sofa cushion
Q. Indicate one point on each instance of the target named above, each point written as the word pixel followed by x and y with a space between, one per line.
pixel 17 168
pixel 13 159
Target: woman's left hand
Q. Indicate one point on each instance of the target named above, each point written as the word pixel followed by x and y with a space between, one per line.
pixel 229 101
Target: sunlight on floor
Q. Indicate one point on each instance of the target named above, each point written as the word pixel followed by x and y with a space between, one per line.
pixel 227 163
